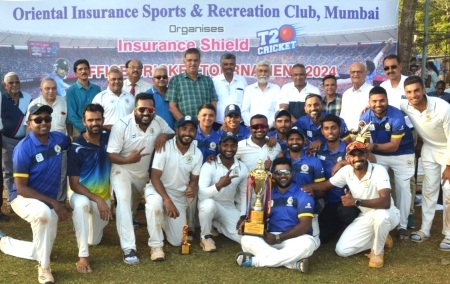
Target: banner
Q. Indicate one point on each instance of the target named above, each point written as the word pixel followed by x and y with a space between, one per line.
pixel 326 36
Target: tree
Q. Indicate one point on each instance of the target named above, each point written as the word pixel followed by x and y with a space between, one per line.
pixel 405 32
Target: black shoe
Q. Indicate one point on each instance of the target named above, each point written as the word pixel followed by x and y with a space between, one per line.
pixel 4 218
pixel 136 224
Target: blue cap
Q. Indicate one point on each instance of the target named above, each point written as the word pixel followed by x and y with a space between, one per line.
pixel 295 130
pixel 38 108
pixel 228 135
pixel 186 119
pixel 232 109
pixel 282 112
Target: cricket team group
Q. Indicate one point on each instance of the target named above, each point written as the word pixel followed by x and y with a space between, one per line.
pixel 341 166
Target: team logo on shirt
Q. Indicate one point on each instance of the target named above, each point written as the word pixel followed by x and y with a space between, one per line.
pixel 57 149
pixel 387 126
pixel 290 201
pixel 428 117
pixel 270 150
pixel 39 157
pixel 304 168
pixel 212 145
pixel 235 172
pixel 409 163
pixel 308 205
pixel 152 131
pixel 309 133
pixel 366 182
pixel 189 159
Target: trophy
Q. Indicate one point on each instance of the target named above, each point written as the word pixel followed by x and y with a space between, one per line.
pixel 259 183
pixel 185 245
pixel 363 135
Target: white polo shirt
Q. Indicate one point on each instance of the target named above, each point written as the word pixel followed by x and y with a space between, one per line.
pixel 126 136
pixel 59 114
pixel 433 124
pixel 374 180
pixel 177 168
pixel 210 175
pixel 140 87
pixel 257 101
pixel 353 103
pixel 115 106
pixel 395 95
pixel 249 153
pixel 289 93
pixel 228 93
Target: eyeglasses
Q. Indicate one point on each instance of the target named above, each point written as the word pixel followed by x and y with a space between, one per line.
pixel 259 126
pixel 40 119
pixel 143 109
pixel 282 172
pixel 161 77
pixel 393 67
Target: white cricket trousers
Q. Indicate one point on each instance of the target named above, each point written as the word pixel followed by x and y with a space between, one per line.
pixel 225 217
pixel 434 163
pixel 368 231
pixel 87 222
pixel 129 190
pixel 403 168
pixel 158 220
pixel 43 221
pixel 285 254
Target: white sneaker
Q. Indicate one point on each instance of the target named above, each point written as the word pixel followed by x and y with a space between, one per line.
pixel 45 275
pixel 130 257
pixel 157 254
pixel 208 244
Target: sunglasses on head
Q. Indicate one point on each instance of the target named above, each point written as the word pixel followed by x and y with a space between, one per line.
pixel 282 172
pixel 143 109
pixel 40 119
pixel 393 67
pixel 161 77
pixel 259 126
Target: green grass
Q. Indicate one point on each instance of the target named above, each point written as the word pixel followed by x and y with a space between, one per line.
pixel 406 262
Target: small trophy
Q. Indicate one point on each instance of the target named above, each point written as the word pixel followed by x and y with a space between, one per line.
pixel 259 182
pixel 363 135
pixel 185 245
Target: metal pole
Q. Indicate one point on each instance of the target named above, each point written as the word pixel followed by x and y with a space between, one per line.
pixel 425 39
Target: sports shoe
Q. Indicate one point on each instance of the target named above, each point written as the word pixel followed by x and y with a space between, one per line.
pixel 130 257
pixel 190 236
pixel 244 259
pixel 45 275
pixel 157 254
pixel 303 265
pixel 411 224
pixel 208 244
pixel 445 244
pixel 389 242
pixel 376 261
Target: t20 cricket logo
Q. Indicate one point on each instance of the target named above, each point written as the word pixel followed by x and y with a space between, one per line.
pixel 277 40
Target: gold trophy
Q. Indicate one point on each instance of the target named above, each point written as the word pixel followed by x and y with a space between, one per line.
pixel 259 182
pixel 185 245
pixel 363 132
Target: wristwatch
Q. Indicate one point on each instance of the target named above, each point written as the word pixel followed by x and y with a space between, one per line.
pixel 278 239
pixel 357 202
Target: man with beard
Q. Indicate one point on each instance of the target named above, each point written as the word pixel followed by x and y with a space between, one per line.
pixel 288 239
pixel 332 101
pixel 292 95
pixel 393 146
pixel 310 123
pixel 37 176
pixel 173 185
pixel 132 141
pixel 229 86
pixel 370 192
pixel 256 148
pixel 334 215
pixel 80 94
pixel 282 124
pixel 222 182
pixel 134 84
pixel 262 96
pixel 431 119
pixel 116 102
pixel 89 169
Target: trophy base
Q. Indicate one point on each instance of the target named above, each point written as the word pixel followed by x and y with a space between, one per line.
pixel 253 229
pixel 185 248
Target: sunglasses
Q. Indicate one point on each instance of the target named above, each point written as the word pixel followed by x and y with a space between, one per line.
pixel 40 119
pixel 393 67
pixel 161 77
pixel 259 126
pixel 143 109
pixel 282 172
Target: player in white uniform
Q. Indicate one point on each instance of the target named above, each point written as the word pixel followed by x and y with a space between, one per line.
pixel 132 141
pixel 431 119
pixel 174 183
pixel 221 181
pixel 370 191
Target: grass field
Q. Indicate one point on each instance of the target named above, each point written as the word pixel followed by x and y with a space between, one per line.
pixel 406 262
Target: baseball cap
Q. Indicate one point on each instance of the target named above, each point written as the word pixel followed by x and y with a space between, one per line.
pixel 228 135
pixel 356 145
pixel 38 108
pixel 296 131
pixel 186 119
pixel 282 112
pixel 232 109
